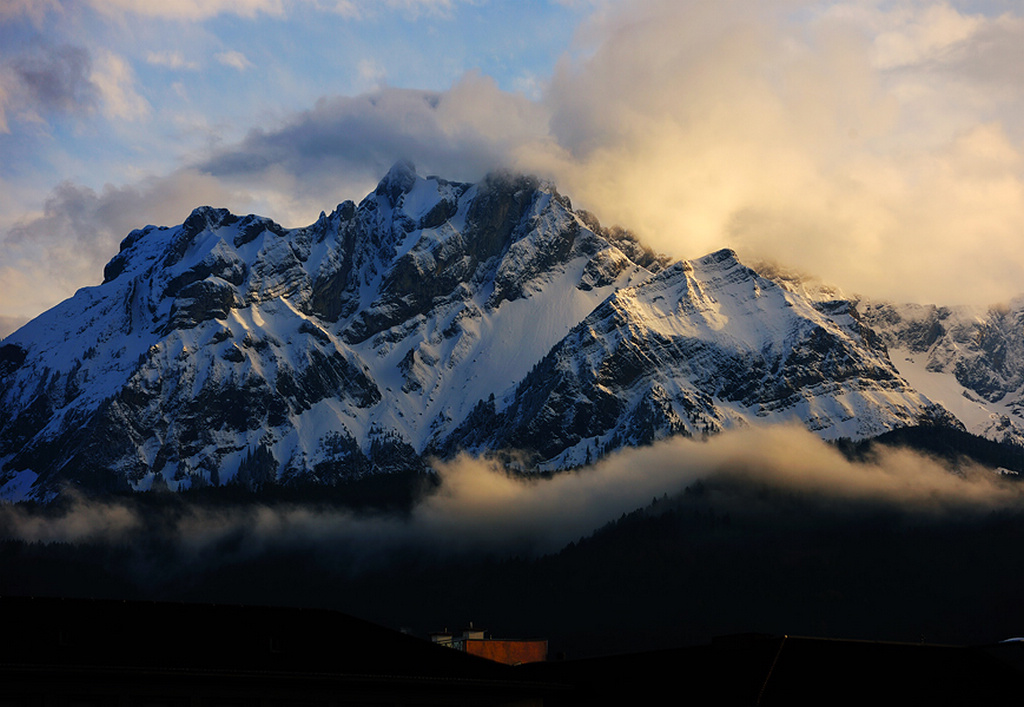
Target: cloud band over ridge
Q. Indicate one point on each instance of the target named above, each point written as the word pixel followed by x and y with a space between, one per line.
pixel 478 508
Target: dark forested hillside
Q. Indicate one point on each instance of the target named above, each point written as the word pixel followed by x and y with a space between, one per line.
pixel 721 557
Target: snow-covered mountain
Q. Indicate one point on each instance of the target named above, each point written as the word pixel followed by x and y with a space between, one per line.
pixel 700 346
pixel 969 359
pixel 431 317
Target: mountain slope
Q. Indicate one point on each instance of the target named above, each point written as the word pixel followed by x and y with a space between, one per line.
pixel 971 359
pixel 701 346
pixel 231 343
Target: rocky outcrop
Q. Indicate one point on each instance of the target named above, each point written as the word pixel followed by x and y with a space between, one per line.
pixel 981 348
pixel 699 347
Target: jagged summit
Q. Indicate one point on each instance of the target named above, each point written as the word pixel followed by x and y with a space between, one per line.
pixel 341 348
pixel 399 180
pixel 430 317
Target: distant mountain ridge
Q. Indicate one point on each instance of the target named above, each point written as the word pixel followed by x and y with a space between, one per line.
pixel 970 358
pixel 434 316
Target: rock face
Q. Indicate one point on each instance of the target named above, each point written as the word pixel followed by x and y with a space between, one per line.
pixel 699 347
pixel 972 358
pixel 431 317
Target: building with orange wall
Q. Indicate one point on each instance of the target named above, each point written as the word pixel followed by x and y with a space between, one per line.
pixel 510 651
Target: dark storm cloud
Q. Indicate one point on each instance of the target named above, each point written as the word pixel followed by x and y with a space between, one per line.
pixel 361 135
pixel 80 229
pixel 56 78
pixel 77 232
pixel 45 80
pixel 346 141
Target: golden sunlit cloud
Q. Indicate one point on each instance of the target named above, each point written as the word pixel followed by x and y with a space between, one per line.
pixel 481 508
pixel 817 144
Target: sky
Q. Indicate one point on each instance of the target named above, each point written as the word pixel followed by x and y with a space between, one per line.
pixel 878 145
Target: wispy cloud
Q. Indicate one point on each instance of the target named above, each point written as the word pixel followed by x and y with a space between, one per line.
pixel 234 59
pixel 115 80
pixel 371 73
pixel 411 9
pixel 35 10
pixel 189 9
pixel 206 9
pixel 171 60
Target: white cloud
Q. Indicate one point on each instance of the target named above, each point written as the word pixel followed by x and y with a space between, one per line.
pixel 234 59
pixel 890 173
pixel 710 124
pixel 411 9
pixel 189 9
pixel 116 82
pixel 371 74
pixel 35 10
pixel 530 85
pixel 171 60
pixel 197 10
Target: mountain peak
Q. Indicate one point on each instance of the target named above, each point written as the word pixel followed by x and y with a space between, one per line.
pixel 722 259
pixel 204 217
pixel 399 180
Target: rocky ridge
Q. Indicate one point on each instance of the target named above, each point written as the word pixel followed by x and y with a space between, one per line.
pixel 969 358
